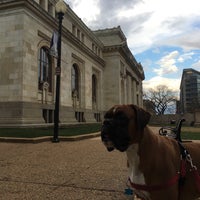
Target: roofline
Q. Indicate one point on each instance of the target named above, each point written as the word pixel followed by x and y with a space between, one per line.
pixel 107 31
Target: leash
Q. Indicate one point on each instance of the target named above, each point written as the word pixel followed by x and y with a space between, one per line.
pixel 186 157
pixel 194 171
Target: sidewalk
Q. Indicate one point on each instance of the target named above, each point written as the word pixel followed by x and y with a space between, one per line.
pixel 48 138
pixel 79 170
pixel 61 138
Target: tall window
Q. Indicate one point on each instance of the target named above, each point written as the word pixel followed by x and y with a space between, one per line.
pixel 78 34
pixel 82 37
pixel 75 81
pixel 73 29
pixel 94 88
pixel 44 70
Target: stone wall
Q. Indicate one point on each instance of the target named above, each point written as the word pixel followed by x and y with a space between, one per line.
pixel 169 119
pixel 197 118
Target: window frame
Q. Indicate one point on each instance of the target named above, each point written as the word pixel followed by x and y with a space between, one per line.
pixel 45 68
pixel 94 88
pixel 75 76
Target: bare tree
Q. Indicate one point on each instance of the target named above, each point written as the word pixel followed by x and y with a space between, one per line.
pixel 161 98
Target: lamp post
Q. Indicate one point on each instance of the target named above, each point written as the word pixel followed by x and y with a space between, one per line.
pixel 60 10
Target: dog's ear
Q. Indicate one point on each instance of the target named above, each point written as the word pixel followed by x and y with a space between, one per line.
pixel 142 116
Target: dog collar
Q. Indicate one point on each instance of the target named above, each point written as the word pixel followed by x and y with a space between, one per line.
pixel 150 188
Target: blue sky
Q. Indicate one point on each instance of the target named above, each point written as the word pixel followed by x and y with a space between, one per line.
pixel 163 35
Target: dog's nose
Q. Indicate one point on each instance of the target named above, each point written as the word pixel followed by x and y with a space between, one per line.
pixel 107 125
pixel 108 122
pixel 104 133
pixel 110 149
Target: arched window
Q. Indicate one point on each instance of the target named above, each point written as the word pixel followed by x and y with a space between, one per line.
pixel 94 88
pixel 44 69
pixel 75 81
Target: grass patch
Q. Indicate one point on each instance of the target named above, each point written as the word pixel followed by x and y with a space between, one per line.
pixel 187 133
pixel 40 132
pixel 190 135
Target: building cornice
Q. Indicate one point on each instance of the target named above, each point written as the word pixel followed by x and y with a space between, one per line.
pixel 78 22
pixel 128 56
pixel 52 22
pixel 32 6
pixel 111 31
pixel 76 42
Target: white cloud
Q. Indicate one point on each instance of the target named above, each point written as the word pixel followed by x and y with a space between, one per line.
pixel 167 64
pixel 146 23
pixel 172 84
pixel 188 40
pixel 196 65
pixel 150 24
pixel 169 19
pixel 185 56
pixel 88 10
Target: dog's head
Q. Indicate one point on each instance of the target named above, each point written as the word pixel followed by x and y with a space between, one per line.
pixel 123 125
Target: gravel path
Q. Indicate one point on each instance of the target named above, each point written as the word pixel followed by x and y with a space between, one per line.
pixel 77 170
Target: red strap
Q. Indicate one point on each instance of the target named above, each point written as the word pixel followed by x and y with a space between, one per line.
pixel 183 168
pixel 197 178
pixel 150 188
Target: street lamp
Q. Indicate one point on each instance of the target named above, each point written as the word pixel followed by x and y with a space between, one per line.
pixel 60 10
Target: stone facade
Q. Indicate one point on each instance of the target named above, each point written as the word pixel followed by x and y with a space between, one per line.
pixel 122 75
pixel 161 120
pixel 98 69
pixel 197 118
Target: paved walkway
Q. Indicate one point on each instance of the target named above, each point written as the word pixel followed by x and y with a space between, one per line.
pixel 79 170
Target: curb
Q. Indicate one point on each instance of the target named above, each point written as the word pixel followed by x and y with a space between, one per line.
pixel 48 138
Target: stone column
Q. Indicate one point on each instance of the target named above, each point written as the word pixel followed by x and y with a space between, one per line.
pixel 134 92
pixel 46 5
pixel 129 92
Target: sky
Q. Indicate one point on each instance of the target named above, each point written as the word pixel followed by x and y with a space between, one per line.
pixel 163 35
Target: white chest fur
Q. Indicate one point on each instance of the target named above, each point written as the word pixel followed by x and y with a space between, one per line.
pixel 135 175
pixel 133 160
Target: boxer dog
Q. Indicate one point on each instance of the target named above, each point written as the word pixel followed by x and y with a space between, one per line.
pixel 155 169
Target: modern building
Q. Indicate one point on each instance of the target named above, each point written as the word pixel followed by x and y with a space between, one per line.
pixel 190 91
pixel 97 68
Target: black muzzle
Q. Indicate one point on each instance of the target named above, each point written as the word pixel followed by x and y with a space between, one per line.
pixel 106 132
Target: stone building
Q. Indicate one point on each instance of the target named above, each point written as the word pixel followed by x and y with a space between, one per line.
pixel 98 69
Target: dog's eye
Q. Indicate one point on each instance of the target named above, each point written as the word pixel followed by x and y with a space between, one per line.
pixel 108 116
pixel 120 115
pixel 120 119
pixel 108 122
